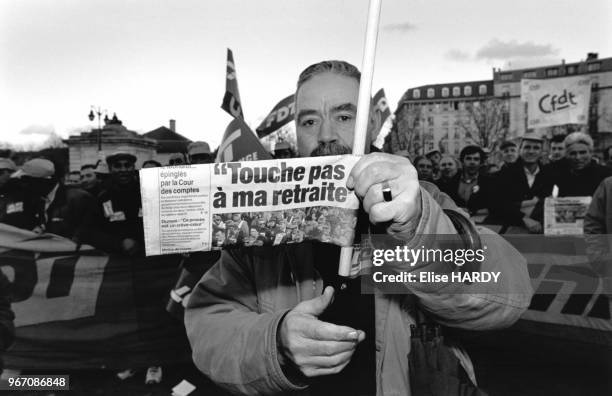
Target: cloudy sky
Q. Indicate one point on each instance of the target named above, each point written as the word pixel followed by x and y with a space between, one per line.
pixel 153 60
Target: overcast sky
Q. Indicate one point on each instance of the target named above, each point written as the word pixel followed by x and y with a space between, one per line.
pixel 150 61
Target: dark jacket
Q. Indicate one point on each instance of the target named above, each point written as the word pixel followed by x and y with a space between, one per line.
pixel 233 314
pixel 510 188
pixel 120 216
pixel 478 199
pixel 582 183
pixel 7 328
pixel 71 214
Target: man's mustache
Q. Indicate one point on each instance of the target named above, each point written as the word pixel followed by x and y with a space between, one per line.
pixel 330 148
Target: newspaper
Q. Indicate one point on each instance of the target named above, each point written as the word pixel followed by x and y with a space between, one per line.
pixel 206 207
pixel 565 216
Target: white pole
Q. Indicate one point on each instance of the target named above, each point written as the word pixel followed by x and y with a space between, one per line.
pixel 363 106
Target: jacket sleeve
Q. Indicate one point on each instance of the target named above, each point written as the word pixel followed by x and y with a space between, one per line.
pixel 232 343
pixel 596 236
pixel 478 305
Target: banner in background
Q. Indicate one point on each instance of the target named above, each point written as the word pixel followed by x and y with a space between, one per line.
pixel 87 309
pixel 556 101
pixel 231 100
pixel 282 114
pixel 240 144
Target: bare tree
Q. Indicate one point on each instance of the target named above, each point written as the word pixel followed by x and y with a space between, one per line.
pixel 406 132
pixel 484 122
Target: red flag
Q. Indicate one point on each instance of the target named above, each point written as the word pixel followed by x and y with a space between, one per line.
pixel 231 100
pixel 240 144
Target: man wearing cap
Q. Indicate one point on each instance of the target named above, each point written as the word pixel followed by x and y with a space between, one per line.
pixel 255 319
pixel 520 189
pixel 509 153
pixel 435 156
pixel 69 212
pixel 121 208
pixel 199 153
pixel 7 168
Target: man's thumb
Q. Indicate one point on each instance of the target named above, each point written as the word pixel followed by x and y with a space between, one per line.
pixel 317 305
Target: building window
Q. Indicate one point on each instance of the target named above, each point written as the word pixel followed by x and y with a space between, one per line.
pixel 552 72
pixel 570 70
pixel 430 121
pixel 430 92
pixel 467 90
pixel 445 92
pixel 456 91
pixel 530 74
pixel 416 93
pixel 506 76
pixel 595 66
pixel 482 89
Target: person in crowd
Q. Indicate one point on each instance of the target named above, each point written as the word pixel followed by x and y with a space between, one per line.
pixel 176 159
pixel 69 212
pixel 449 167
pixel 597 230
pixel 151 164
pixel 520 188
pixel 435 156
pixel 121 224
pixel 89 180
pixel 254 320
pixel 199 153
pixel 470 189
pixel 509 153
pixel 608 156
pixel 424 167
pixel 7 326
pixel 7 168
pixel 73 179
pixel 557 148
pixel 283 150
pixel 581 175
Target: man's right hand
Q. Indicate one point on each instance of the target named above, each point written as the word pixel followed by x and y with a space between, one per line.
pixel 313 346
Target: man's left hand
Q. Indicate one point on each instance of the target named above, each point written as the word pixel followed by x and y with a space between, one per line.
pixel 367 178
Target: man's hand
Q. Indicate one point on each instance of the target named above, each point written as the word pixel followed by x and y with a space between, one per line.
pixel 533 226
pixel 367 178
pixel 316 347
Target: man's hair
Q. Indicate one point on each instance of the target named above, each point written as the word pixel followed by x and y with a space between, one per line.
pixel 558 139
pixel 472 149
pixel 88 166
pixel 420 158
pixel 507 144
pixel 334 66
pixel 578 137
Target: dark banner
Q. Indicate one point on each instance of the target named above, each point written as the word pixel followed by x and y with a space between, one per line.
pixel 240 144
pixel 231 100
pixel 88 309
pixel 282 114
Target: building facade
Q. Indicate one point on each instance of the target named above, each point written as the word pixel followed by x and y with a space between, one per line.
pixel 83 148
pixel 449 116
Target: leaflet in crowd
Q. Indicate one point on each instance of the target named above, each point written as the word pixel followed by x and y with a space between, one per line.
pixel 565 215
pixel 205 207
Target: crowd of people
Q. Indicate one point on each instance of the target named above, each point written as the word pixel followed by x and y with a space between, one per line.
pixel 323 223
pixel 512 193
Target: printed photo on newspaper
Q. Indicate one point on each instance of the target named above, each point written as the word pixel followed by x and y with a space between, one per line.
pixel 224 205
pixel 565 215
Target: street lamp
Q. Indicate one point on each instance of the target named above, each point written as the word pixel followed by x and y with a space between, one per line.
pixel 92 114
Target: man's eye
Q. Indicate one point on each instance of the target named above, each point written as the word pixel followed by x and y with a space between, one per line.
pixel 307 122
pixel 344 117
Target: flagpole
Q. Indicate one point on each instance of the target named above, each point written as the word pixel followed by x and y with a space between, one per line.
pixel 363 106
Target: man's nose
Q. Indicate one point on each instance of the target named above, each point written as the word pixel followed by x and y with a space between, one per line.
pixel 327 133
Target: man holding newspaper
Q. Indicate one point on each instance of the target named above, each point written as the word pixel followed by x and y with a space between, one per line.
pixel 262 321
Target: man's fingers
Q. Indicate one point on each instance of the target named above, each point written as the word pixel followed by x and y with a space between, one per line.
pixel 376 172
pixel 317 305
pixel 324 331
pixel 368 160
